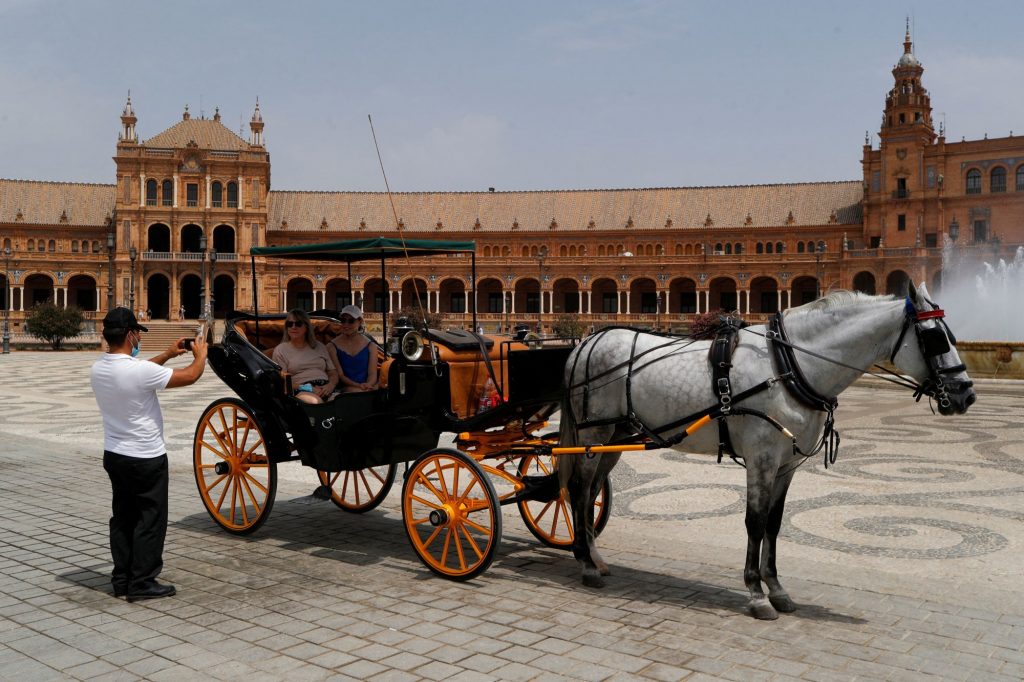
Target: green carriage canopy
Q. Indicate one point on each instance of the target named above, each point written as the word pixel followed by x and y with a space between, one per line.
pixel 352 250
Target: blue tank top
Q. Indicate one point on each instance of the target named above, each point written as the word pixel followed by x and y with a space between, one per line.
pixel 356 367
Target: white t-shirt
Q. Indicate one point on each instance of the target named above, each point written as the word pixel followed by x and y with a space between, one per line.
pixel 125 389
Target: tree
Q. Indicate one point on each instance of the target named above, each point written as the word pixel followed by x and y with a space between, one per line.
pixel 568 325
pixel 415 315
pixel 50 323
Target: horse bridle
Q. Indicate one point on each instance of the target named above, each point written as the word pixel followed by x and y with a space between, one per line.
pixel 934 342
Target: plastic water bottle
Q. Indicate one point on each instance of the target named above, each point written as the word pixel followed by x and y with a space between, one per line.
pixel 489 397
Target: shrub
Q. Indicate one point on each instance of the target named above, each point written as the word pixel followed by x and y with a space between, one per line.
pixel 569 325
pixel 415 314
pixel 704 324
pixel 53 324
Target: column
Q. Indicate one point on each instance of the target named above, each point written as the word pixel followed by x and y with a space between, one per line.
pixel 21 299
pixel 590 309
pixel 778 295
pixel 504 302
pixel 628 312
pixel 207 191
pixel 142 190
pixel 579 304
pixel 55 290
pixel 175 204
pixel 399 292
pixel 747 292
pixel 241 201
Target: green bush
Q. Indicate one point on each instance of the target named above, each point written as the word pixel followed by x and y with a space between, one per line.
pixel 415 315
pixel 53 324
pixel 569 325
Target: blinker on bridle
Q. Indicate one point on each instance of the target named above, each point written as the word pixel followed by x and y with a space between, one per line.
pixel 934 342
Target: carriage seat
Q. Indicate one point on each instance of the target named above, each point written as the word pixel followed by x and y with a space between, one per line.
pixel 467 371
pixel 271 333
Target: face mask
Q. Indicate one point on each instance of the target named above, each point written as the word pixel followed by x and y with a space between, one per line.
pixel 136 347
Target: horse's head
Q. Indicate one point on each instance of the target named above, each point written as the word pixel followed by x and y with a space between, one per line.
pixel 926 350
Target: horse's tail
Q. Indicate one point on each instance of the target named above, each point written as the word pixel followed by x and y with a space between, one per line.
pixel 567 436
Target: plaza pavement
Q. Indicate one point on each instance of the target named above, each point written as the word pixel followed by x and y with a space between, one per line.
pixel 905 559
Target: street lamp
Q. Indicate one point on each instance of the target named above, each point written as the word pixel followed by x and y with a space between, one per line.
pixel 202 280
pixel 132 254
pixel 7 300
pixel 508 304
pixel 954 230
pixel 818 253
pixel 110 270
pixel 213 277
pixel 280 285
pixel 541 255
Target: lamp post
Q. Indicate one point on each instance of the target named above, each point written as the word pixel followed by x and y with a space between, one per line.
pixel 818 253
pixel 213 277
pixel 541 255
pixel 132 255
pixel 110 270
pixel 508 304
pixel 7 300
pixel 954 230
pixel 202 280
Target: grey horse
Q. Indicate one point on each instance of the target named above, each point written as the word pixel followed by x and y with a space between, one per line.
pixel 835 339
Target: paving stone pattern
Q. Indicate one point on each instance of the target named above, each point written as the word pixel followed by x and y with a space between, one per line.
pixel 904 557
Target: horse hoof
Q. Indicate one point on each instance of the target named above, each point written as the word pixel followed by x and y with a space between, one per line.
pixel 593 579
pixel 762 610
pixel 604 570
pixel 782 603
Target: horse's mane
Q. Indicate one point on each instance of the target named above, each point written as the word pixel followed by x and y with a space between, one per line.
pixel 838 300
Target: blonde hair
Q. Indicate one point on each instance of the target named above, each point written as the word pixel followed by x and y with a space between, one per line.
pixel 299 315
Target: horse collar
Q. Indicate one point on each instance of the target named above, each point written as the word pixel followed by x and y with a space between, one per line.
pixel 789 370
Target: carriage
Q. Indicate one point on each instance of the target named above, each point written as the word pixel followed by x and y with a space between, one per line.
pixel 495 393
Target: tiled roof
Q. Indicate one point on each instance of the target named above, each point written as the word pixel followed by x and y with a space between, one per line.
pixel 206 133
pixel 606 209
pixel 42 203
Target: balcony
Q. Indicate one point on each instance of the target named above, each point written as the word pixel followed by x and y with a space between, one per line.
pixel 188 256
pixel 901 194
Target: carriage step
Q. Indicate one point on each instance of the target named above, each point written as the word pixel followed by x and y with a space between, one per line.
pixel 322 492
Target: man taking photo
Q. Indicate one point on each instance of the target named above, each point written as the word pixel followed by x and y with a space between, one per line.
pixel 134 453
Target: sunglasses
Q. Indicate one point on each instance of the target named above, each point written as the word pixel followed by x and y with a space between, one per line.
pixel 294 323
pixel 347 320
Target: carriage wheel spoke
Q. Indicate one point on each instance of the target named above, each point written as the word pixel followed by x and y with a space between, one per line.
pixel 222 455
pixel 458 549
pixel 428 503
pixel 483 529
pixel 433 536
pixel 426 482
pixel 440 478
pixel 252 497
pixel 472 543
pixel 223 493
pixel 447 544
pixel 249 477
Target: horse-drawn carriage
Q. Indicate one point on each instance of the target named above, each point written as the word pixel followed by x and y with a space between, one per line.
pixel 495 393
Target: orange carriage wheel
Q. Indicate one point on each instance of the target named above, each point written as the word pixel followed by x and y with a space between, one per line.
pixel 551 521
pixel 451 514
pixel 234 474
pixel 359 491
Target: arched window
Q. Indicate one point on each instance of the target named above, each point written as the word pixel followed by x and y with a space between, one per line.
pixel 506 251
pixel 1020 179
pixel 572 250
pixel 679 249
pixel 737 248
pixel 167 193
pixel 31 244
pixel 51 246
pixel 799 247
pixel 232 195
pixel 150 192
pixel 728 249
pixel 40 246
pixel 217 194
pixel 718 247
pixel 769 247
pixel 997 180
pixel 759 248
pixel 563 251
pixel 74 246
pixel 526 252
pixel 779 247
pixel 974 181
pixel 600 250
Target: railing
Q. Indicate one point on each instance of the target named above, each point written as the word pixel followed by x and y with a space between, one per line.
pixel 185 256
pixel 901 194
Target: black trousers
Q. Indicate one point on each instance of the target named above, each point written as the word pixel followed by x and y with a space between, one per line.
pixel 139 522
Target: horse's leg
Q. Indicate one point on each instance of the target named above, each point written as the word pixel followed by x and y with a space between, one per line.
pixel 760 476
pixel 777 594
pixel 605 466
pixel 580 483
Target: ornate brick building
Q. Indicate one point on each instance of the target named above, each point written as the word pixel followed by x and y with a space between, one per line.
pixel 189 202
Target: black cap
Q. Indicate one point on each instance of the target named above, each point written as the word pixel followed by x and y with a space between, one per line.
pixel 122 318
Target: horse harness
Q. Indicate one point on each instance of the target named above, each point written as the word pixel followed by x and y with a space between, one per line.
pixel 720 358
pixel 934 343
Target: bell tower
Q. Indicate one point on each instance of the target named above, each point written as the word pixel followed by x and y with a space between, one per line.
pixel 908 108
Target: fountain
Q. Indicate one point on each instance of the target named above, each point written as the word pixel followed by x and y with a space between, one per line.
pixel 982 302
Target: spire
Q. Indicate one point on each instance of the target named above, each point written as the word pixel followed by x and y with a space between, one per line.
pixel 907 45
pixel 908 106
pixel 186 116
pixel 128 120
pixel 256 126
pixel 216 114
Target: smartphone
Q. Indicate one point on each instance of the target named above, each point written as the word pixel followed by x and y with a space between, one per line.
pixel 201 330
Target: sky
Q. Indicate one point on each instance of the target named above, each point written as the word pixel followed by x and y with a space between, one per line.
pixel 524 95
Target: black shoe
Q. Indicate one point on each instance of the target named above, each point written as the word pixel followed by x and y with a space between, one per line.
pixel 152 591
pixel 120 592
